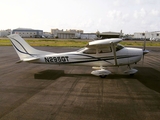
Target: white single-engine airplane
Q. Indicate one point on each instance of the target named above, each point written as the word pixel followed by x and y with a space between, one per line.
pixel 99 54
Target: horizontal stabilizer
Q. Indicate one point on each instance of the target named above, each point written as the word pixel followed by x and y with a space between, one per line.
pixel 27 59
pixel 30 59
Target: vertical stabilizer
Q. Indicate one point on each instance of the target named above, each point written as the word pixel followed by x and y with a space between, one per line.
pixel 23 49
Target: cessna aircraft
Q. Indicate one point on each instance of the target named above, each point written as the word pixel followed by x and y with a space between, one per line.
pixel 99 54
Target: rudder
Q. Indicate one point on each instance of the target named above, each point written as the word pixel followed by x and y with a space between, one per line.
pixel 23 49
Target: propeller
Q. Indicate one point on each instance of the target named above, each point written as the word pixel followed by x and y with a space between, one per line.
pixel 144 49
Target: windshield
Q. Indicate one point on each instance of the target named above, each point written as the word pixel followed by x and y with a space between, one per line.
pixel 81 50
pixel 119 47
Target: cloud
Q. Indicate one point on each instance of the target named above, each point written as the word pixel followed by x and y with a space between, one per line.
pixel 114 14
pixel 155 12
pixel 140 14
pixel 90 15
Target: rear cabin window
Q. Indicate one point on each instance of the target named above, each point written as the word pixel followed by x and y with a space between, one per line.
pixel 90 51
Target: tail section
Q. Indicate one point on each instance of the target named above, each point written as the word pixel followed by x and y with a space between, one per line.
pixel 24 50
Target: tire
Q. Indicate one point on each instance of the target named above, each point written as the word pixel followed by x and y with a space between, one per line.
pixel 131 74
pixel 103 76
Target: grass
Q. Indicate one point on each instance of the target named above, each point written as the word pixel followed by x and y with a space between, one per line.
pixel 5 42
pixel 67 43
pixel 72 42
pixel 140 43
pixel 49 42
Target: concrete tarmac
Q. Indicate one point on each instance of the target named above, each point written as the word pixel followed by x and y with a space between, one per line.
pixel 52 92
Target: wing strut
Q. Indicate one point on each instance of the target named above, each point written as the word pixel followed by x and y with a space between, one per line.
pixel 114 52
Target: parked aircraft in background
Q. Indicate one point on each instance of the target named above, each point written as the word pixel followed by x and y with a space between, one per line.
pixel 154 39
pixel 99 54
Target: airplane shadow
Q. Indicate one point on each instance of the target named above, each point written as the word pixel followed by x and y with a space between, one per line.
pixel 146 75
pixel 49 74
pixel 149 77
pixel 54 74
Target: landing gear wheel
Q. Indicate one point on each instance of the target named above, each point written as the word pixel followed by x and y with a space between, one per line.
pixel 103 76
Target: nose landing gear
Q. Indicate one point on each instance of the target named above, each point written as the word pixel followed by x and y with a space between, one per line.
pixel 131 71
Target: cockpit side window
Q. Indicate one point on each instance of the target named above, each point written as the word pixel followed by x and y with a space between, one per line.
pixel 90 51
pixel 104 50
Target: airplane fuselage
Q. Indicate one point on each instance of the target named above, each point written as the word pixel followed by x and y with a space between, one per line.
pixel 125 56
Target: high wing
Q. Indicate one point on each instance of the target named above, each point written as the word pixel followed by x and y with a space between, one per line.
pixel 105 42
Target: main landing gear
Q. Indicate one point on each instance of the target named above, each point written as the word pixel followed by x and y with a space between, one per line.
pixel 103 76
pixel 101 73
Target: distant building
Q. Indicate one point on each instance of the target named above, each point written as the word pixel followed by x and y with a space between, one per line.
pixel 128 37
pixel 65 35
pixel 28 33
pixel 90 36
pixel 55 31
pixel 68 34
pixel 104 35
pixel 155 35
pixel 5 33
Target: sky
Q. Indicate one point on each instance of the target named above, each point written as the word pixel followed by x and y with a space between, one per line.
pixel 130 16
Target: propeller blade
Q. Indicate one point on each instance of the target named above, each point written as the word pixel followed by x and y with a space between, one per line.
pixel 144 44
pixel 144 50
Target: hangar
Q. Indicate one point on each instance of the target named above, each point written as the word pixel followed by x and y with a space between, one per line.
pixel 28 33
pixel 5 33
pixel 68 34
pixel 104 35
pixel 90 36
pixel 155 35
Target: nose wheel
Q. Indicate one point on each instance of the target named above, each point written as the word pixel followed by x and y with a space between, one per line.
pixel 131 71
